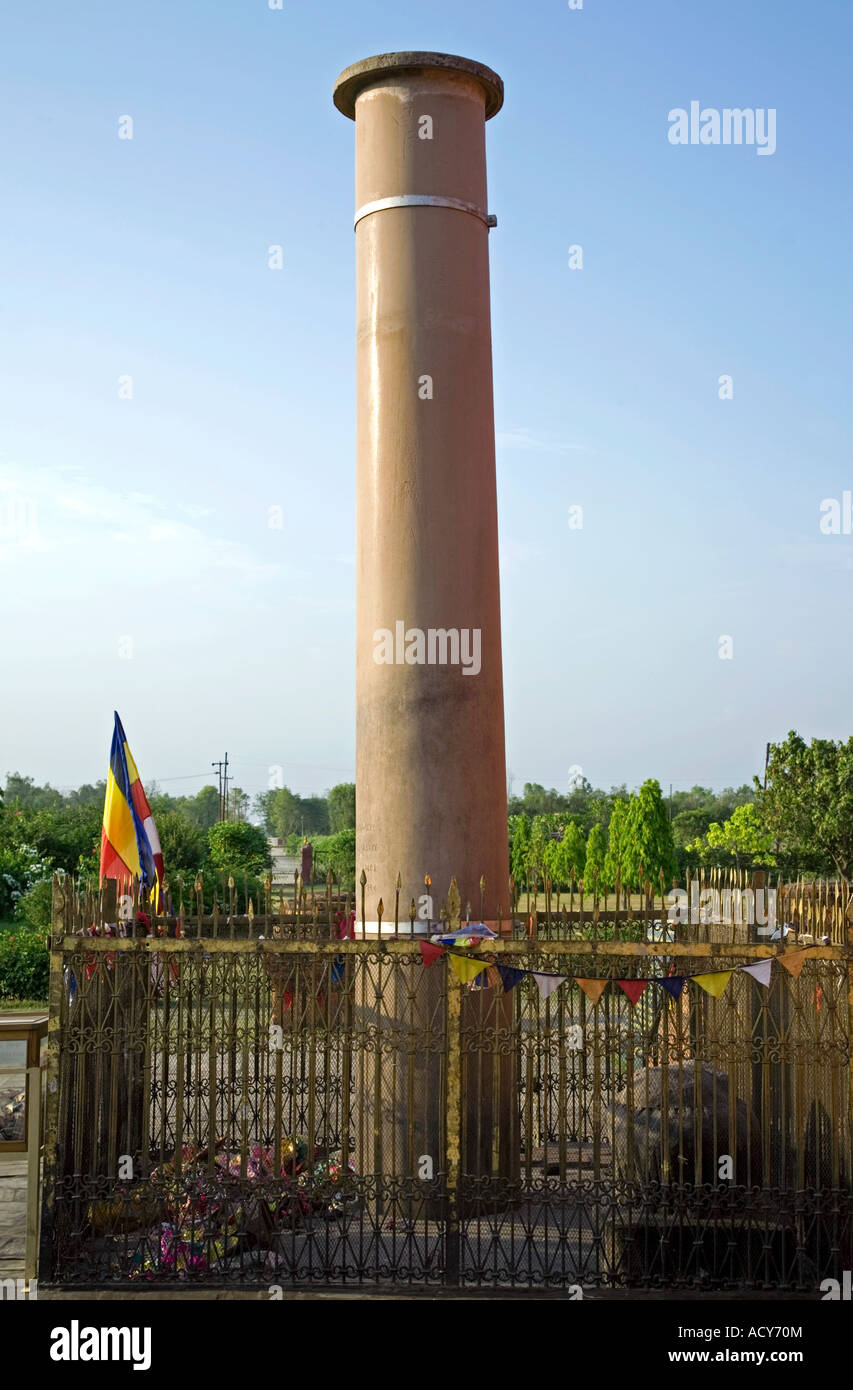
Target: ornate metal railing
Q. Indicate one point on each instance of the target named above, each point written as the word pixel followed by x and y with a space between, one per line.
pixel 271 1109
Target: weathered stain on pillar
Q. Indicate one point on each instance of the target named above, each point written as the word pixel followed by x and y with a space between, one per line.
pixel 431 772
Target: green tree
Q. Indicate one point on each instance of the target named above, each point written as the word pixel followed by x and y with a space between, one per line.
pixel 808 804
pixel 519 850
pixel 648 838
pixel 741 841
pixel 284 814
pixel 552 862
pixel 33 907
pixel 238 804
pixel 341 801
pixel 203 809
pixel 22 794
pixel 238 847
pixel 690 825
pixel 61 835
pixel 615 856
pixel 572 855
pixel 539 837
pixel 596 849
pixel 90 794
pixel 314 815
pixel 184 845
pixel 337 853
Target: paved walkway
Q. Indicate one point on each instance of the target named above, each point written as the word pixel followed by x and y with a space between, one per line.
pixel 13 1214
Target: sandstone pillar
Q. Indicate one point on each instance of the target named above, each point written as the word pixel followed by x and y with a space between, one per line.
pixel 431 772
pixel 430 760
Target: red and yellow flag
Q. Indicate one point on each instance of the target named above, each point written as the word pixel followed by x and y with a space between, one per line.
pixel 130 845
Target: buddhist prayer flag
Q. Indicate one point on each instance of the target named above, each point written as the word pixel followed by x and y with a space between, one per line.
pixel 510 976
pixel 465 968
pixel 794 962
pixel 489 979
pixel 673 984
pixel 760 971
pixel 548 983
pixel 429 952
pixel 130 845
pixel 593 989
pixel 633 988
pixel 714 982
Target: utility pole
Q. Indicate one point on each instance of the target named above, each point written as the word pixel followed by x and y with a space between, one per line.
pixel 222 773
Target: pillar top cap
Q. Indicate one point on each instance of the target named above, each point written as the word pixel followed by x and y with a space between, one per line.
pixel 353 80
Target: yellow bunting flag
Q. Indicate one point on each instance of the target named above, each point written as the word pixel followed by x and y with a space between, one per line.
pixel 593 989
pixel 715 982
pixel 794 962
pixel 466 969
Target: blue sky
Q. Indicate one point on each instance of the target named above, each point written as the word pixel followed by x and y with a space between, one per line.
pixel 137 567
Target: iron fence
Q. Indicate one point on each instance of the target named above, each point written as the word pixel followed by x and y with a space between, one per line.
pixel 251 1106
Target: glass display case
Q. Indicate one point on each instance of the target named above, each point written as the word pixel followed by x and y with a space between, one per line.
pixel 23 1039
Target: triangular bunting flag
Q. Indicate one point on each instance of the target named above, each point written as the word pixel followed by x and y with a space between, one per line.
pixel 593 989
pixel 673 984
pixel 466 969
pixel 429 952
pixel 548 983
pixel 760 971
pixel 714 982
pixel 510 977
pixel 794 962
pixel 488 978
pixel 633 988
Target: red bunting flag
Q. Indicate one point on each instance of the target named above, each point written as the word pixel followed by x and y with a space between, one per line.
pixel 430 952
pixel 633 988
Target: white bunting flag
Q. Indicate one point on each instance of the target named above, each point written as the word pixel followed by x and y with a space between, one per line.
pixel 760 971
pixel 548 983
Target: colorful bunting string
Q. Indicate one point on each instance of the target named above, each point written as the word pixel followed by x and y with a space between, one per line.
pixel 481 974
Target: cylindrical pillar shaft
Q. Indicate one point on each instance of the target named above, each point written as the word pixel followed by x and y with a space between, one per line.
pixel 430 774
pixel 430 760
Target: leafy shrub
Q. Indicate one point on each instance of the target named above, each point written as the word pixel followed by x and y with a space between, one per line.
pixel 33 907
pixel 238 847
pixel 20 868
pixel 24 965
pixel 336 852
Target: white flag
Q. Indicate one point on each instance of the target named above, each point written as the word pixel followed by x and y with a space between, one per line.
pixel 760 971
pixel 548 983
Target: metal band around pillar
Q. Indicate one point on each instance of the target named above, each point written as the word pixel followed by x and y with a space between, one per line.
pixel 424 200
